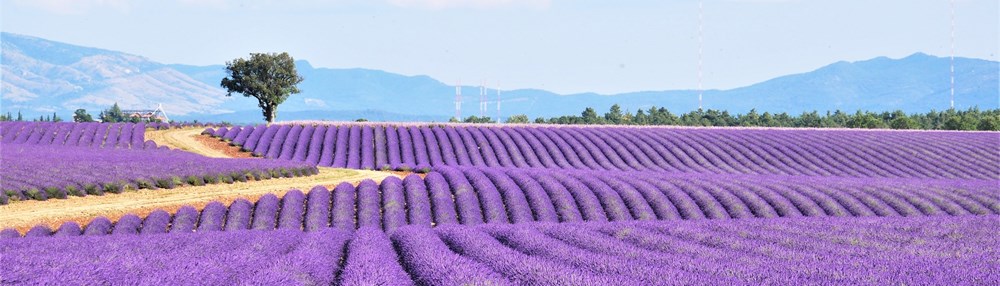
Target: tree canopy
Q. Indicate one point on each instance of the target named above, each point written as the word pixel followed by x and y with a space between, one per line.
pixel 269 77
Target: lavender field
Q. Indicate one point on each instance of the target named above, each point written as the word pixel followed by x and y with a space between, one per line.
pixel 533 205
pixel 43 160
pixel 952 250
pixel 795 152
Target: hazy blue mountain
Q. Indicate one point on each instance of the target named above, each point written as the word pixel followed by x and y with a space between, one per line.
pixel 43 76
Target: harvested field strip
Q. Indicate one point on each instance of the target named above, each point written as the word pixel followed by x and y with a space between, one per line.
pixel 186 139
pixel 24 215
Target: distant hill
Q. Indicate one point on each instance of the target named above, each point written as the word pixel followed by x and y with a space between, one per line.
pixel 42 76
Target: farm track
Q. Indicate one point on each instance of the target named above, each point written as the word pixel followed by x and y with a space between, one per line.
pixel 185 139
pixel 26 214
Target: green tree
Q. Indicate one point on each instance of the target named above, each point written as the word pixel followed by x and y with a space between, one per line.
pixel 863 120
pixel 641 118
pixel 809 119
pixel 589 116
pixel 113 114
pixel 752 118
pixel 453 120
pixel 899 120
pixel 540 120
pixel 614 115
pixel 989 123
pixel 517 118
pixel 477 119
pixel 269 77
pixel 19 117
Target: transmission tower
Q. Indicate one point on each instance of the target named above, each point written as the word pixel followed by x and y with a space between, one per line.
pixel 952 6
pixel 458 101
pixel 701 44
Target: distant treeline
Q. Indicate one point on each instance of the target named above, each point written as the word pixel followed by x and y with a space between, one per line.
pixel 951 119
pixel 20 117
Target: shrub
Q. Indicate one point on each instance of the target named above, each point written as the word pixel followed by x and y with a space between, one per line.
pixel 54 192
pixel 195 180
pixel 423 169
pixel 212 179
pixel 145 184
pixel 114 188
pixel 92 189
pixel 35 194
pixel 177 180
pixel 74 191
pixel 404 167
pixel 165 183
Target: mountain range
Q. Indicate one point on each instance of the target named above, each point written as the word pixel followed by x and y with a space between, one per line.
pixel 41 76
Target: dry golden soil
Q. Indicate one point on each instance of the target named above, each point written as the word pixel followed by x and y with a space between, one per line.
pixel 23 215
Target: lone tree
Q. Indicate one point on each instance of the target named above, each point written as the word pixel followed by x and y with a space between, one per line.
pixel 269 77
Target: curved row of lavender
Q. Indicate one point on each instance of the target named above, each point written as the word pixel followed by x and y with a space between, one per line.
pixel 952 250
pixel 827 153
pixel 470 196
pixel 114 135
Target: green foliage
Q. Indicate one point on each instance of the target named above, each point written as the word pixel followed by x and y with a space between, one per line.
pixel 54 192
pixel 112 115
pixel 477 119
pixel 614 116
pixel 194 180
pixel 74 191
pixel 81 115
pixel 145 184
pixel 92 189
pixel 35 194
pixel 269 77
pixel 517 118
pixel 971 119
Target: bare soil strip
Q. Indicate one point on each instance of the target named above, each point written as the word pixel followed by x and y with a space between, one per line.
pixel 24 215
pixel 184 139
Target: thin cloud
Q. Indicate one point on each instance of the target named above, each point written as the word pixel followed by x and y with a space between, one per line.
pixel 73 7
pixel 477 4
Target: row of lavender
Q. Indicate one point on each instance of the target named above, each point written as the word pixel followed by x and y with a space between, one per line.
pixel 40 172
pixel 472 196
pixel 841 153
pixel 115 135
pixel 959 250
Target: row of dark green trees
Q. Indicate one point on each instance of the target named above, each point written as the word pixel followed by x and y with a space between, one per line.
pixel 20 117
pixel 951 119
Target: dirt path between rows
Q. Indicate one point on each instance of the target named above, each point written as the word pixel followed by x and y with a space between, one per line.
pixel 184 139
pixel 23 215
pixel 26 214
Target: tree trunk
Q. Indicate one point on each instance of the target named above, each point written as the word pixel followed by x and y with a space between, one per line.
pixel 271 111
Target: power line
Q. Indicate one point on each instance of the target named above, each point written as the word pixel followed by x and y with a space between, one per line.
pixel 700 48
pixel 951 5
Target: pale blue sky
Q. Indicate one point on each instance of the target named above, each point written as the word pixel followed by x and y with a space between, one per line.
pixel 559 45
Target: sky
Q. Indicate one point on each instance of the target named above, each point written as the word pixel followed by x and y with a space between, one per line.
pixel 565 46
